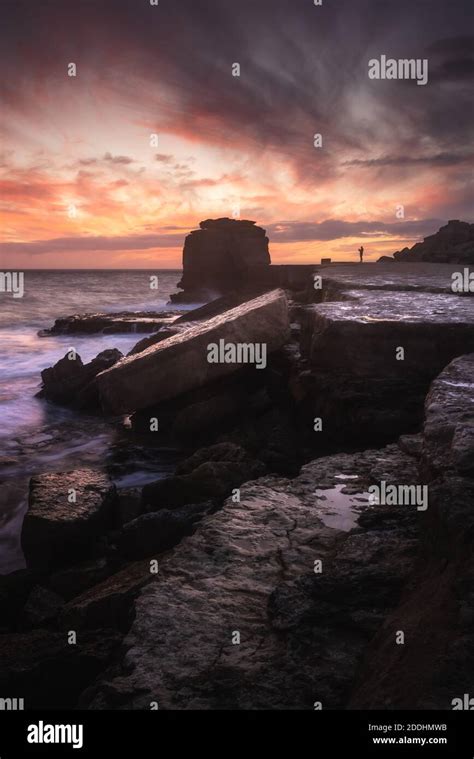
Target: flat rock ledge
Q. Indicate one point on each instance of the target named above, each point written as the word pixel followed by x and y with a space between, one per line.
pixel 110 324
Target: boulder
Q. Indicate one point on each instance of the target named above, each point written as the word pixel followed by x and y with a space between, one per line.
pixel 180 363
pixel 57 531
pixel 157 531
pixel 436 610
pixel 71 581
pixel 208 474
pixel 110 603
pixel 69 381
pixel 218 452
pixel 411 444
pixel 14 591
pixel 449 421
pixel 42 606
pixel 42 667
pixel 221 257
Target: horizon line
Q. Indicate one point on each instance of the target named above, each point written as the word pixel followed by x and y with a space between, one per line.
pixel 24 268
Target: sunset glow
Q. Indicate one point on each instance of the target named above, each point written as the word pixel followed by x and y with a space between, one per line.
pixel 81 185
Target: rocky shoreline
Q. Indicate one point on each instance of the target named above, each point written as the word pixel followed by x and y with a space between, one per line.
pixel 262 574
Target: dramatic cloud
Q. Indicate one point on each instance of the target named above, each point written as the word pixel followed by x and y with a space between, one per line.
pixel 332 229
pixel 225 145
pixel 441 159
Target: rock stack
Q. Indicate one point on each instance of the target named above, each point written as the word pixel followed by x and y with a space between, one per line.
pixel 223 256
pixel 452 244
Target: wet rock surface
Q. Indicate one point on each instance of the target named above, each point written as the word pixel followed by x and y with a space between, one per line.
pixel 69 381
pixel 110 324
pixel 249 568
pixel 437 606
pixel 317 582
pixel 406 276
pixel 368 359
pixel 364 333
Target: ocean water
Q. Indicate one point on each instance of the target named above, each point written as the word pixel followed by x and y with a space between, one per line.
pixel 37 436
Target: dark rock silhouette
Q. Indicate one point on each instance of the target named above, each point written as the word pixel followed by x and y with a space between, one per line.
pixel 223 256
pixel 57 530
pixel 109 324
pixel 68 382
pixel 451 244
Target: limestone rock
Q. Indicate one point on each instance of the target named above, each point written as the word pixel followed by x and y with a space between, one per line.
pixel 46 671
pixel 108 604
pixel 56 531
pixel 453 243
pixel 158 531
pixel 180 363
pixel 223 256
pixel 235 574
pixel 69 380
pixel 109 324
pixel 449 426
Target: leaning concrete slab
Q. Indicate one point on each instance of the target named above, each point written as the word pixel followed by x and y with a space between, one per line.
pixel 180 363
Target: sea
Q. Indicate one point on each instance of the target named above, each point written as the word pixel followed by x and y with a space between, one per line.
pixel 37 436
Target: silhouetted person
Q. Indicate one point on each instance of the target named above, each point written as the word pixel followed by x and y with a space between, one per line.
pixel 361 253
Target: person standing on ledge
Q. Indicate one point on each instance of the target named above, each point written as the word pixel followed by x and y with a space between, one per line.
pixel 361 253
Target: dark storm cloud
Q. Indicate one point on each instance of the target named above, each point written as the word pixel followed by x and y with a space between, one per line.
pixel 453 59
pixel 332 229
pixel 441 159
pixel 299 62
pixel 303 70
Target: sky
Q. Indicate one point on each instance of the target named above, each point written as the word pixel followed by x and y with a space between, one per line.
pixel 85 184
